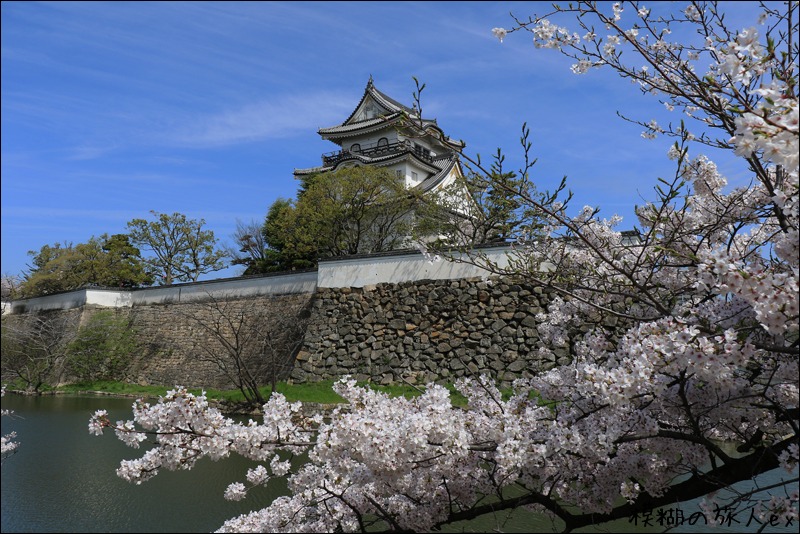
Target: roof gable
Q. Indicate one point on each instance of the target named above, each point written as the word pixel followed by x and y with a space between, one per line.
pixel 374 104
pixel 369 108
pixel 377 110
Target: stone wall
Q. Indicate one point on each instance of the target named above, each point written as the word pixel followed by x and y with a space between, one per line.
pixel 176 343
pixel 414 331
pixel 424 331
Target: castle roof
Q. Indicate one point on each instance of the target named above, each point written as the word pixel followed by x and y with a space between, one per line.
pixel 439 167
pixel 419 141
pixel 386 111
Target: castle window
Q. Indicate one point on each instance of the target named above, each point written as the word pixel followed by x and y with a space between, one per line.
pixel 355 148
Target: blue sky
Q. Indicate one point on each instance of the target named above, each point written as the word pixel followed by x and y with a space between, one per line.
pixel 113 109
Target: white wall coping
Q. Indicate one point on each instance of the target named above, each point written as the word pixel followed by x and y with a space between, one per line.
pixel 403 267
pixel 353 271
pixel 277 284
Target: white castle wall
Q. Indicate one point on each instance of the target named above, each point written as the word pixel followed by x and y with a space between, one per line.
pixel 59 301
pixel 332 273
pixel 395 268
pixel 284 284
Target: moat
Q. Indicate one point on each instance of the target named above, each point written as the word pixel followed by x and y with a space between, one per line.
pixel 62 479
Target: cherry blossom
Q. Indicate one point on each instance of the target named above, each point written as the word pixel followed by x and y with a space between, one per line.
pixel 500 33
pixel 679 338
pixel 7 444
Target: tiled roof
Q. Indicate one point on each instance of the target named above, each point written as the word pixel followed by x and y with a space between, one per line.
pixel 395 109
pixel 390 103
pixel 445 165
pixel 360 125
pixel 440 166
pixel 387 101
pixel 311 170
pixel 395 112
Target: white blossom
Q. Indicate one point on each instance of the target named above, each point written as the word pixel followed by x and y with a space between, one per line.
pixel 692 13
pixel 235 492
pixel 581 67
pixel 7 444
pixel 678 338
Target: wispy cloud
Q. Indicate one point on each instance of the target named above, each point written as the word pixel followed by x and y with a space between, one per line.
pixel 85 152
pixel 279 117
pixel 55 213
pixel 111 109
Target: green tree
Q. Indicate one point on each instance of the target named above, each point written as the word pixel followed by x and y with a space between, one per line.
pixel 289 246
pixel 122 263
pixel 103 348
pixel 181 249
pixel 357 210
pixel 500 217
pixel 110 261
pixel 248 247
pixel 50 271
pixel 277 245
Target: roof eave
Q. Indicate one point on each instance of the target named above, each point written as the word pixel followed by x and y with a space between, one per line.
pixel 329 135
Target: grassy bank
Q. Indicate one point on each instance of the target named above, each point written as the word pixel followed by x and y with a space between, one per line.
pixel 315 392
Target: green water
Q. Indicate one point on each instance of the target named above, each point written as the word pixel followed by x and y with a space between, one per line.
pixel 62 480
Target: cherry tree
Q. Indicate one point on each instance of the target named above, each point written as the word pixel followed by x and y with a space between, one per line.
pixel 684 377
pixel 7 444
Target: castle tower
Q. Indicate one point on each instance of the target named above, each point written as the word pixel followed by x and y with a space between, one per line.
pixel 385 133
